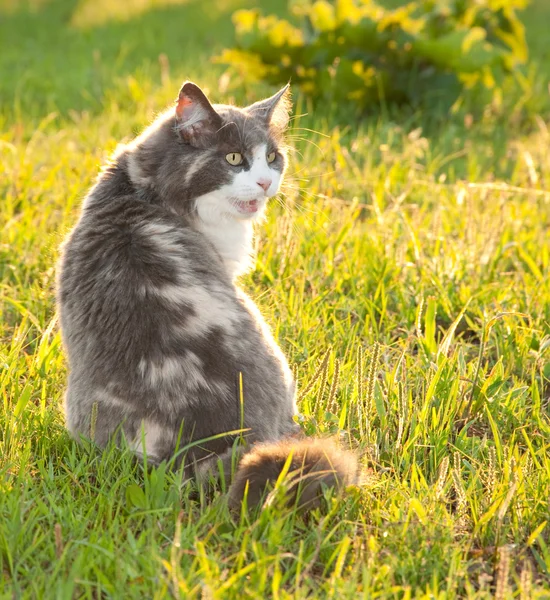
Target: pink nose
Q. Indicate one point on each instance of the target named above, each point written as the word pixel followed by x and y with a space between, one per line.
pixel 264 184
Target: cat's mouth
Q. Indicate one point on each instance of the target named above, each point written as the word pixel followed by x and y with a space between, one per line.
pixel 247 207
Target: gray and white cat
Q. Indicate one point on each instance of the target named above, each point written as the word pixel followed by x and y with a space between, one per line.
pixel 163 347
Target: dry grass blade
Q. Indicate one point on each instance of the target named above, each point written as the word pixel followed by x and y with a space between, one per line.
pixel 331 402
pixel 319 371
pixel 442 478
pixel 402 408
pixel 503 573
pixel 371 378
pixel 359 389
pixel 491 474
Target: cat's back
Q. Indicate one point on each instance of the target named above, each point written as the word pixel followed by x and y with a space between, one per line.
pixel 122 237
pixel 128 269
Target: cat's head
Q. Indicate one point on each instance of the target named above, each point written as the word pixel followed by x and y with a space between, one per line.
pixel 215 161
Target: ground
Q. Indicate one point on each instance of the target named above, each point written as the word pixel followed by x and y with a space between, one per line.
pixel 405 274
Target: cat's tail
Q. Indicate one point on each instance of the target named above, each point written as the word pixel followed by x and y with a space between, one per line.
pixel 300 469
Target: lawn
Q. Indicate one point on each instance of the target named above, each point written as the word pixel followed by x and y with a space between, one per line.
pixel 405 272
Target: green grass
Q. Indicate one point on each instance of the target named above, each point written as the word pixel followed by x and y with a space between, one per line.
pixel 413 249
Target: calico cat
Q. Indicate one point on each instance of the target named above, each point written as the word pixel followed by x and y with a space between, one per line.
pixel 163 347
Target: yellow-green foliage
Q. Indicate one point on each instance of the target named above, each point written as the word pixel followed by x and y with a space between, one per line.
pixel 359 51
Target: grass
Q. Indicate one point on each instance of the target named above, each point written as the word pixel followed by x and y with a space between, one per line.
pixel 407 280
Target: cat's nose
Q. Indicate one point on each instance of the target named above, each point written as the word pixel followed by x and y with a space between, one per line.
pixel 264 183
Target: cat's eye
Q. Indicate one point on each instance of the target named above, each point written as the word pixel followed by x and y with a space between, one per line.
pixel 271 157
pixel 234 158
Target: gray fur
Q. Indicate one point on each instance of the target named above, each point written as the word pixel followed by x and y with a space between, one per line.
pixel 155 329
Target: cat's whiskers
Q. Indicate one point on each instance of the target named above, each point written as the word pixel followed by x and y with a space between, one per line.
pixel 310 177
pixel 303 139
pixel 311 131
pixel 288 208
pixel 227 125
pixel 306 196
pixel 296 117
pixel 308 213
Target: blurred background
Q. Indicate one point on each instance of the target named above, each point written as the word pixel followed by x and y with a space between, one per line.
pixel 61 55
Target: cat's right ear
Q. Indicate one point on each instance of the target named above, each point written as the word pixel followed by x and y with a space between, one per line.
pixel 195 116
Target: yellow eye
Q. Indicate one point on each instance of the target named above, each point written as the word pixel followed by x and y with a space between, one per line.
pixel 271 157
pixel 234 158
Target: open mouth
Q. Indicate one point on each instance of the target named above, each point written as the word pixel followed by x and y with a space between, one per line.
pixel 247 206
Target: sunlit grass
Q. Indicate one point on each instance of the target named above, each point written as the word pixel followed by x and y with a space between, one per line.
pixel 406 277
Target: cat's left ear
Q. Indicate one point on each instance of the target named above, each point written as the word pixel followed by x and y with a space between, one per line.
pixel 276 109
pixel 195 116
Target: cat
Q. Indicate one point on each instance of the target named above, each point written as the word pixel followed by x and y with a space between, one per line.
pixel 163 347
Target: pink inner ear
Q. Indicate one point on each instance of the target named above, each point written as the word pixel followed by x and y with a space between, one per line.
pixel 183 103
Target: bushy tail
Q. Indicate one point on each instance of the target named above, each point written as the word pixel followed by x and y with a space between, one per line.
pixel 310 465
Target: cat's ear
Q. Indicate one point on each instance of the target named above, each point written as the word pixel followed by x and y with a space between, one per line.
pixel 276 109
pixel 195 116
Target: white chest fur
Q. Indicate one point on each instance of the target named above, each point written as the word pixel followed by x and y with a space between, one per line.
pixel 233 240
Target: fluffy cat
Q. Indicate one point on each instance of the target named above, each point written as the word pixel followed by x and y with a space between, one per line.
pixel 163 347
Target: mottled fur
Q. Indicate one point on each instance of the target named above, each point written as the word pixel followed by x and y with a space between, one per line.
pixel 157 334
